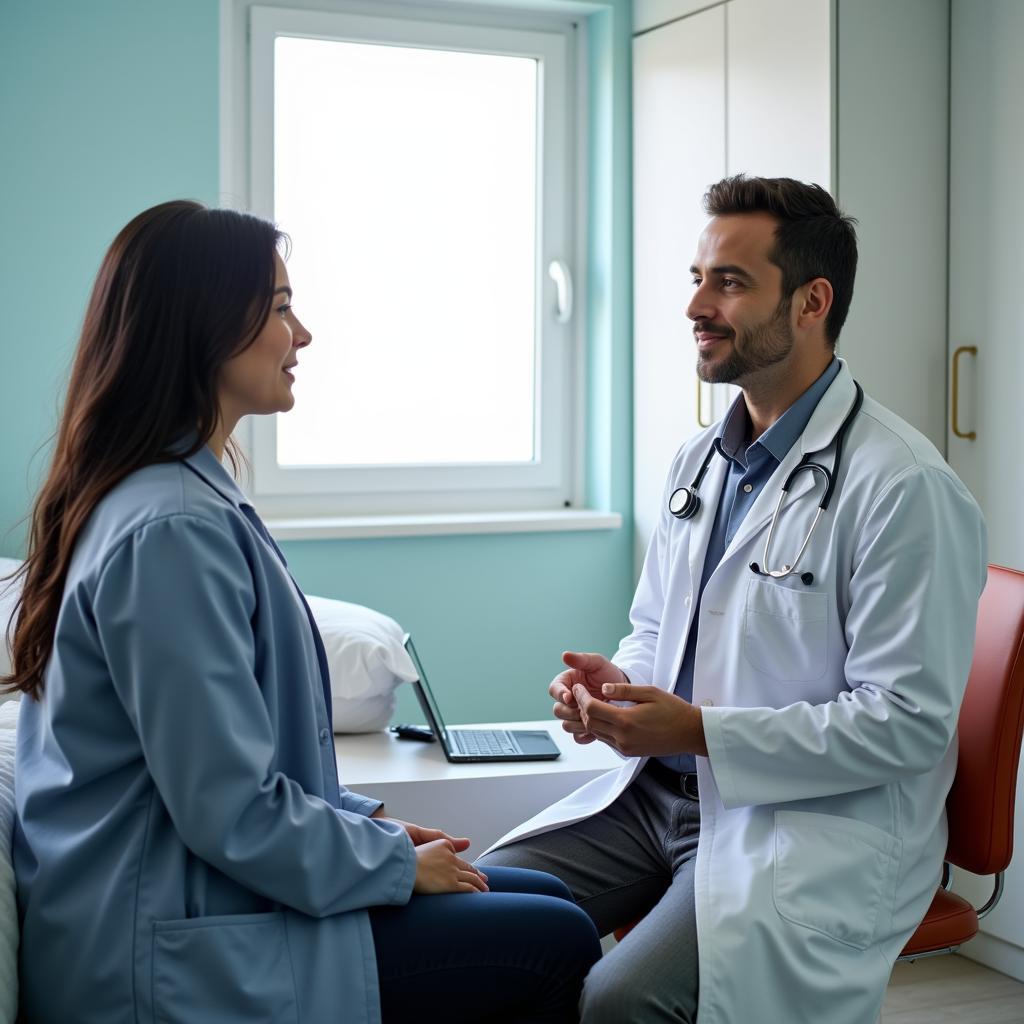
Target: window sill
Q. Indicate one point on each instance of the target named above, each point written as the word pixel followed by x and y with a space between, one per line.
pixel 342 527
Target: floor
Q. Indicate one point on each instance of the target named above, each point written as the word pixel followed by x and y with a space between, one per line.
pixel 952 990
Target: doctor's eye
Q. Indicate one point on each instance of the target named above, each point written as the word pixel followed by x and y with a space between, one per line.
pixel 282 310
pixel 730 282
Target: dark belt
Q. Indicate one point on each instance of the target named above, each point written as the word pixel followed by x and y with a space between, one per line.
pixel 685 782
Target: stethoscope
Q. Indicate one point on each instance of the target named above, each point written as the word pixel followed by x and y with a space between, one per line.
pixel 685 502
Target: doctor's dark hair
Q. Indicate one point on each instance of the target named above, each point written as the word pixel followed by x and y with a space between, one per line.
pixel 181 290
pixel 813 238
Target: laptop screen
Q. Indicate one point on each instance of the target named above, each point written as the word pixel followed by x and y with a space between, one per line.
pixel 424 694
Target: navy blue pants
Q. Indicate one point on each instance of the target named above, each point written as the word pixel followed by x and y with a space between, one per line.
pixel 518 953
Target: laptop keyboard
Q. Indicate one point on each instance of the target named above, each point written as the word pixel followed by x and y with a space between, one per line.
pixel 483 742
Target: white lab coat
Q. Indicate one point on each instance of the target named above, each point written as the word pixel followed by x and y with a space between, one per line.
pixel 829 711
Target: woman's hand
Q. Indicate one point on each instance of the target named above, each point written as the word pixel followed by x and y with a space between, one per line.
pixel 420 834
pixel 440 869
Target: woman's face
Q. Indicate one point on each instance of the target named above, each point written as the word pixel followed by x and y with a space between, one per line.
pixel 259 379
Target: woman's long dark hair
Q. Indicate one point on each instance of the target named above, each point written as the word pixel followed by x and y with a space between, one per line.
pixel 181 290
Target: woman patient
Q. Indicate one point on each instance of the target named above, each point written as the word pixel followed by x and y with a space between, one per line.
pixel 183 850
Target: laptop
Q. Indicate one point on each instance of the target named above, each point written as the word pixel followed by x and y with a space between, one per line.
pixel 478 744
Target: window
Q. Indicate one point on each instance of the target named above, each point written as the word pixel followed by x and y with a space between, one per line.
pixel 423 170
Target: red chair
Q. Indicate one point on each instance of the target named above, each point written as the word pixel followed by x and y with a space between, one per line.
pixel 981 802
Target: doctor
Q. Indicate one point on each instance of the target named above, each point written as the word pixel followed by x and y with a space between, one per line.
pixel 788 714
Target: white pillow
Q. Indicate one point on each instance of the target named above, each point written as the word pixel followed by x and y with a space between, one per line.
pixel 8 906
pixel 9 591
pixel 367 662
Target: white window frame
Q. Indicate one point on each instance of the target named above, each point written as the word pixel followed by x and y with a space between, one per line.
pixel 554 479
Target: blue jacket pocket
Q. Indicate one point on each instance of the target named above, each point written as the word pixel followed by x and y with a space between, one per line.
pixel 223 970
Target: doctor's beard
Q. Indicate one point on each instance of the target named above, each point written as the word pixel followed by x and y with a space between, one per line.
pixel 753 349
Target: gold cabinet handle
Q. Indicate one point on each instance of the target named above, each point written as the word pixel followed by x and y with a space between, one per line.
pixel 700 407
pixel 955 410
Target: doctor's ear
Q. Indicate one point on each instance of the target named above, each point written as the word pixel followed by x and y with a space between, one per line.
pixel 812 301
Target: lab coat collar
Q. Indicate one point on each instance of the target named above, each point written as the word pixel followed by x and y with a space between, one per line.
pixel 828 417
pixel 819 434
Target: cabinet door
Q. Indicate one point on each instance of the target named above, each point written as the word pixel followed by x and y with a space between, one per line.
pixel 987 264
pixel 986 270
pixel 678 150
pixel 779 60
pixel 893 145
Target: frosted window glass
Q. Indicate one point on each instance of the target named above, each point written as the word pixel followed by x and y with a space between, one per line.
pixel 406 178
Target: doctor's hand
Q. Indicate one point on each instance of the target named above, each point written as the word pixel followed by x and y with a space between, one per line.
pixel 657 724
pixel 589 672
pixel 439 869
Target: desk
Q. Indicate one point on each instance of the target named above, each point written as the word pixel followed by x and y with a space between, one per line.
pixel 481 800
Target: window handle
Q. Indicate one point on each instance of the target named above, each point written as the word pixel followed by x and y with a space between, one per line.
pixel 561 275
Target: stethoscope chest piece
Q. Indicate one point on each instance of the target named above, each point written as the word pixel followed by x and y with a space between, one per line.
pixel 684 503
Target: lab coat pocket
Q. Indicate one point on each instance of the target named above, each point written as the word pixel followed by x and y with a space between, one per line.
pixel 785 631
pixel 230 969
pixel 834 875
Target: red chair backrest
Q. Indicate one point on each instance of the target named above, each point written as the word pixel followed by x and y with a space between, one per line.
pixel 980 804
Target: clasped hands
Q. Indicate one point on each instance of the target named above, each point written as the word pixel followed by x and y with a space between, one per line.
pixel 656 724
pixel 439 868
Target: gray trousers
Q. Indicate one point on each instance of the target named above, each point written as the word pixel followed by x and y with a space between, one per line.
pixel 634 858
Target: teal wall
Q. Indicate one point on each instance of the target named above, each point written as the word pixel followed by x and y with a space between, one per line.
pixel 110 106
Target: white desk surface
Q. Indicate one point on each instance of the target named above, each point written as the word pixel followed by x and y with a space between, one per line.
pixel 482 800
pixel 381 757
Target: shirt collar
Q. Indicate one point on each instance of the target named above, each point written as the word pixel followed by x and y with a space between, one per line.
pixel 782 434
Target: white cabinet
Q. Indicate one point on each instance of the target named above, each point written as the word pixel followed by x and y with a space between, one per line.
pixel 987 264
pixel 986 271
pixel 848 93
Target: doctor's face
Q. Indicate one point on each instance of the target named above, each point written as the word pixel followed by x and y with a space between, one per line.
pixel 741 322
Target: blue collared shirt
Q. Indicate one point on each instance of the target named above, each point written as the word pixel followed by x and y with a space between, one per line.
pixel 749 469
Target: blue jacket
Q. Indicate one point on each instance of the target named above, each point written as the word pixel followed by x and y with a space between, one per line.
pixel 183 850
